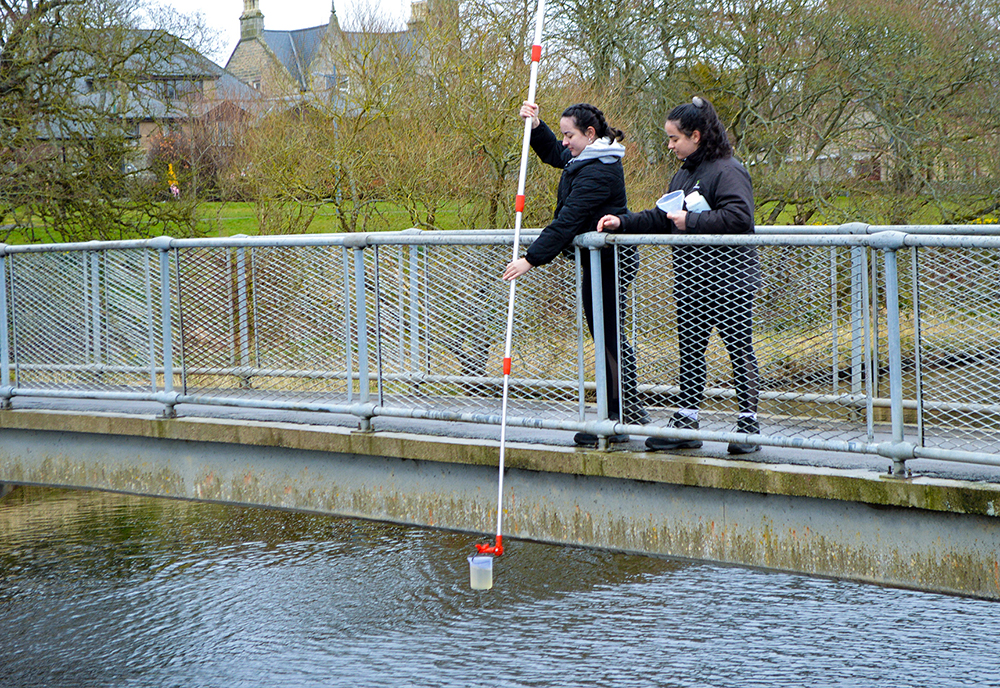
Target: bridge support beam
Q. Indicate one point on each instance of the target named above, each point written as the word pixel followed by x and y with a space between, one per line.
pixel 937 535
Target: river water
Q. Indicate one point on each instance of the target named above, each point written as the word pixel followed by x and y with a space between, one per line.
pixel 110 590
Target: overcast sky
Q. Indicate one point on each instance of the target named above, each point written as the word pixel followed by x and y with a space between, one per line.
pixel 224 15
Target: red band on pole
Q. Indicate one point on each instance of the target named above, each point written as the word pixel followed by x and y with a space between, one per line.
pixel 519 204
pixel 536 53
pixel 506 366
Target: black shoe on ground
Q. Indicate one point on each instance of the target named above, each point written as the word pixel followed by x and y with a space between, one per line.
pixel 681 423
pixel 586 439
pixel 748 426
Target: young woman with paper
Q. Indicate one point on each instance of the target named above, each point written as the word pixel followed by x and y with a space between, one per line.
pixel 714 286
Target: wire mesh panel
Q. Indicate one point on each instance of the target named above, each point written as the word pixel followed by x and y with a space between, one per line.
pixel 83 320
pixel 49 299
pixel 132 340
pixel 784 340
pixel 264 323
pixel 959 345
pixel 441 321
pixel 810 330
pixel 545 378
pixel 297 322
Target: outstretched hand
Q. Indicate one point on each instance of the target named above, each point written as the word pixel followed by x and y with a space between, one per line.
pixel 516 268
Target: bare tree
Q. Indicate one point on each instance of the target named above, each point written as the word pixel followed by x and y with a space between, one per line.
pixel 71 74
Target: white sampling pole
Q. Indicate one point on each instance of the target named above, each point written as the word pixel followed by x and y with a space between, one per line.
pixel 536 56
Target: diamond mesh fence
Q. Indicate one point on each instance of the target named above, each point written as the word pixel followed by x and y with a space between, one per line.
pixel 423 329
pixel 265 322
pixel 792 351
pixel 440 324
pixel 84 320
pixel 958 322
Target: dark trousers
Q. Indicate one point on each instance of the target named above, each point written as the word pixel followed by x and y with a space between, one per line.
pixel 621 392
pixel 732 313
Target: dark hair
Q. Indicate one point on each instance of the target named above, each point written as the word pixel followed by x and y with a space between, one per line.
pixel 699 115
pixel 586 115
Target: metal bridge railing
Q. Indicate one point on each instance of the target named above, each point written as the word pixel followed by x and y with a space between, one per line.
pixel 878 340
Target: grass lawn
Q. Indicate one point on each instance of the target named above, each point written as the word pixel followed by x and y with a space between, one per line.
pixel 217 219
pixel 227 219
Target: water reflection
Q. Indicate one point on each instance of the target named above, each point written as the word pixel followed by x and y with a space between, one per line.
pixel 108 590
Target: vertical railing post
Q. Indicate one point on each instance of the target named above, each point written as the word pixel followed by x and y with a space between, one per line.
pixel 890 243
pixel 859 309
pixel 358 242
pixel 242 313
pixel 600 355
pixel 169 396
pixel 415 366
pixel 377 328
pixel 345 254
pixel 5 387
pixel 834 322
pixel 619 328
pixel 95 305
pixel 581 364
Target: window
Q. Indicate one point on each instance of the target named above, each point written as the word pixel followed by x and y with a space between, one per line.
pixel 172 89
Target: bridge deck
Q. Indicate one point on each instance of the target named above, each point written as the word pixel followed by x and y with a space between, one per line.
pixel 556 438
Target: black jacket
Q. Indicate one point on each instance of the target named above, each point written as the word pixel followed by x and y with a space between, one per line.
pixel 726 187
pixel 588 190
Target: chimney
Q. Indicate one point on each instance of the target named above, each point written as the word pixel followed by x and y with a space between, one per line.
pixel 251 21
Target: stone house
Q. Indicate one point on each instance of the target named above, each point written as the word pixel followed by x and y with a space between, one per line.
pixel 304 62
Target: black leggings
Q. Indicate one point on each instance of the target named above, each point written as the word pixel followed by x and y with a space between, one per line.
pixel 621 392
pixel 732 313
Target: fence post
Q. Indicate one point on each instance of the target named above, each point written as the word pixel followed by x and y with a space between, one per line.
pixel 890 243
pixel 414 298
pixel 600 357
pixel 95 305
pixel 860 359
pixel 581 364
pixel 358 242
pixel 858 273
pixel 242 314
pixel 5 387
pixel 169 396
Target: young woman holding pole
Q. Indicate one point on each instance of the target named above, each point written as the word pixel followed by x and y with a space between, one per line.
pixel 714 286
pixel 592 185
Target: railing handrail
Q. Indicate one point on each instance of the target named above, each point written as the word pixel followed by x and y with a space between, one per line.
pixel 851 234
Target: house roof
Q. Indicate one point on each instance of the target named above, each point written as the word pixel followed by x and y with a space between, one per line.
pixel 178 61
pixel 295 49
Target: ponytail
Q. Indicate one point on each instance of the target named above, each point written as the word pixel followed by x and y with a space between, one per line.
pixel 585 115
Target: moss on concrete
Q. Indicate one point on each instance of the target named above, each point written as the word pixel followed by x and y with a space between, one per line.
pixel 800 481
